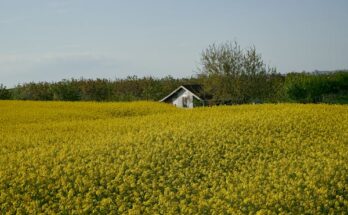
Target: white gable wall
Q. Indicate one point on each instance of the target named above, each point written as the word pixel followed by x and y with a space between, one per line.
pixel 178 100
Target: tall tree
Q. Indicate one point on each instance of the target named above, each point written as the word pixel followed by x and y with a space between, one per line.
pixel 233 74
pixel 4 93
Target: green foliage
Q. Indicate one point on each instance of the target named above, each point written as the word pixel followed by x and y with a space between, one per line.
pixel 229 75
pixel 66 90
pixel 33 91
pixel 198 103
pixel 316 87
pixel 236 75
pixel 129 89
pixel 5 94
pixel 94 90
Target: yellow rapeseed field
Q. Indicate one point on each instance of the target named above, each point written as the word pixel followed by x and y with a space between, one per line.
pixel 151 158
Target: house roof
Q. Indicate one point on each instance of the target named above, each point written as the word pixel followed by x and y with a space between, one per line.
pixel 195 89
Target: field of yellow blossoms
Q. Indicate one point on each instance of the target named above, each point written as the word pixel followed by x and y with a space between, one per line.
pixel 152 158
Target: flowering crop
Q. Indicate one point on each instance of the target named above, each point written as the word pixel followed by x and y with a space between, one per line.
pixel 151 158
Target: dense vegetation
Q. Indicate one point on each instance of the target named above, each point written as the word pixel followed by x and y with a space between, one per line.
pixel 229 74
pixel 151 158
pixel 331 87
pixel 235 75
pixel 317 87
pixel 129 89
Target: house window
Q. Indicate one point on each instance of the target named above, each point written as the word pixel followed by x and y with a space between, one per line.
pixel 184 101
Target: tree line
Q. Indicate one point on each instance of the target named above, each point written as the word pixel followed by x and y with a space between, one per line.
pixel 236 76
pixel 128 89
pixel 305 87
pixel 230 74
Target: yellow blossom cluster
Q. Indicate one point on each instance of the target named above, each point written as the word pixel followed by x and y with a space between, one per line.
pixel 152 158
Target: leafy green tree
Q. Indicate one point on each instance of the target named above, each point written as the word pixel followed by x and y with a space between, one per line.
pixel 233 74
pixel 33 91
pixel 94 90
pixel 4 93
pixel 316 87
pixel 66 90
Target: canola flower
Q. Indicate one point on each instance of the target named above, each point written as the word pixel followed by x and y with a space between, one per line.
pixel 152 158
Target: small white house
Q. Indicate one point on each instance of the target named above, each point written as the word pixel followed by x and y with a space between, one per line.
pixel 186 96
